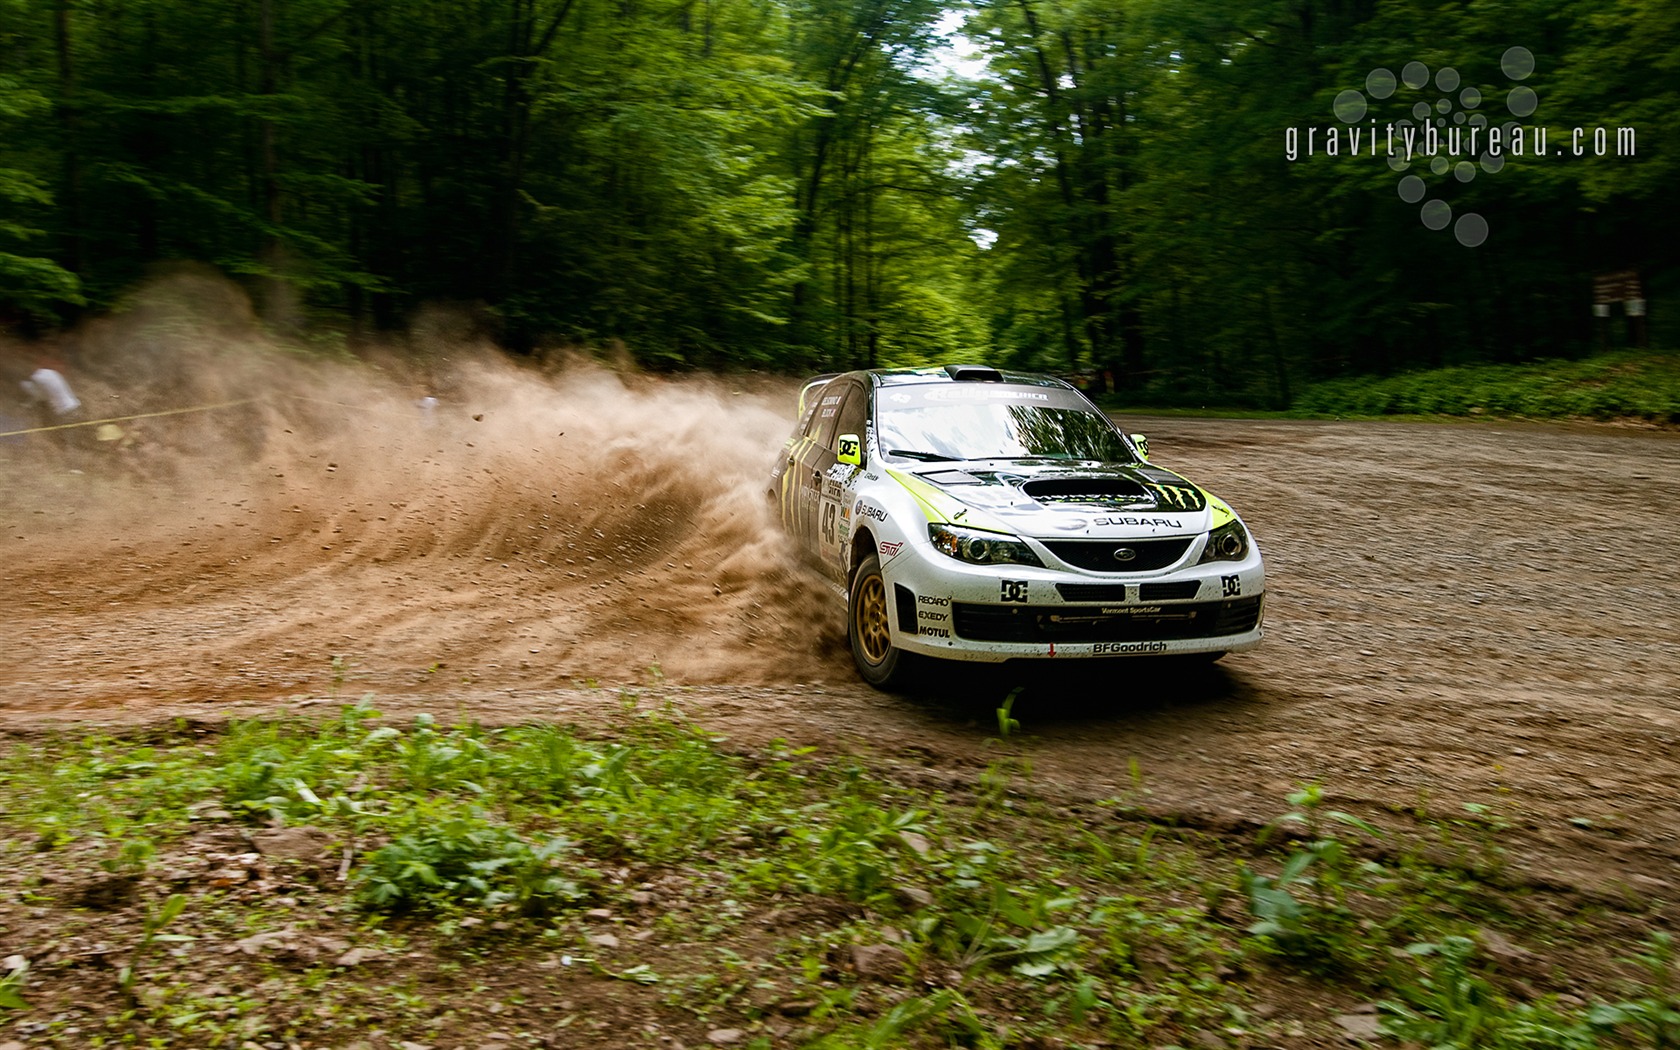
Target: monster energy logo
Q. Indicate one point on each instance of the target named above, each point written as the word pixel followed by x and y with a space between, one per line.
pixel 1180 496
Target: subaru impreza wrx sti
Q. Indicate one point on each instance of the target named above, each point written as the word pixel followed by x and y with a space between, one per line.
pixel 973 514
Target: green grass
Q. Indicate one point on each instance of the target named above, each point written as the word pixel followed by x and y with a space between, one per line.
pixel 1007 920
pixel 1610 386
pixel 1624 385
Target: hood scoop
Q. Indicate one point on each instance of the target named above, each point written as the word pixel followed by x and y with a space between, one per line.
pixel 1098 492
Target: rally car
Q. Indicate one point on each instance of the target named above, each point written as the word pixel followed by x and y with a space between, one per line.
pixel 973 514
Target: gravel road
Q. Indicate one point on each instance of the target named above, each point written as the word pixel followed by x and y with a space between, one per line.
pixel 1459 614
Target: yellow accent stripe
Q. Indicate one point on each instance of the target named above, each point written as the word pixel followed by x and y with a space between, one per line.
pixel 800 447
pixel 1221 512
pixel 940 506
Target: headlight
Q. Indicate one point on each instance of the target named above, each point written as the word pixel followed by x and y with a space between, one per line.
pixel 981 548
pixel 1229 542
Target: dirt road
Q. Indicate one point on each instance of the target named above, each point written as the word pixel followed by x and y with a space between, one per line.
pixel 1459 614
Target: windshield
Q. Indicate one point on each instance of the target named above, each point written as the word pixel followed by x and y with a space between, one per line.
pixel 932 424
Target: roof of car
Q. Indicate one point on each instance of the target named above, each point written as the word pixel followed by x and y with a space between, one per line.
pixel 906 376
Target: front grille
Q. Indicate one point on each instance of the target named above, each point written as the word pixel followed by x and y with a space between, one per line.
pixel 1098 555
pixel 1141 623
pixel 1092 592
pixel 1178 591
pixel 1114 593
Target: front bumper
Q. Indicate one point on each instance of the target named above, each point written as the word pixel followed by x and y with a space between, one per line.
pixel 951 609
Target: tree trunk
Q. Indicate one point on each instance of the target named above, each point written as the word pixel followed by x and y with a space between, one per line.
pixel 278 304
pixel 70 195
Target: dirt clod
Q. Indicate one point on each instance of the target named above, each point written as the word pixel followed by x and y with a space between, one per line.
pixel 879 962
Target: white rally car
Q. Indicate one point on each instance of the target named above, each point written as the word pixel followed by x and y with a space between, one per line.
pixel 972 514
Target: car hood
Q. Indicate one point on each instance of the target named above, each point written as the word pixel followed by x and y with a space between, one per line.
pixel 1058 500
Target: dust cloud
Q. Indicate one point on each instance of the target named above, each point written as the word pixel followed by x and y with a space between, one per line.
pixel 430 517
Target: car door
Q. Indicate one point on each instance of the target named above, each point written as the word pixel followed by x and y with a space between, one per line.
pixel 810 465
pixel 833 520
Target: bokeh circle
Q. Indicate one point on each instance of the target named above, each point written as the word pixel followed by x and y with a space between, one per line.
pixel 1470 229
pixel 1517 62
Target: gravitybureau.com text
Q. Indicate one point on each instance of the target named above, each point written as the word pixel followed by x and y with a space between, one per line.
pixel 1406 140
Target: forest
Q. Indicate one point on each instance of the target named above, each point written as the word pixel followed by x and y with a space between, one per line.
pixel 1167 196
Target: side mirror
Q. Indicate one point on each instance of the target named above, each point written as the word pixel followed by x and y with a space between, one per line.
pixel 1142 444
pixel 849 450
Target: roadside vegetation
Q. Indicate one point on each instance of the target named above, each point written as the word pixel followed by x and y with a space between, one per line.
pixel 348 882
pixel 1623 385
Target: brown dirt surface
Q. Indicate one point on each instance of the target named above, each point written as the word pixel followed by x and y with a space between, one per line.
pixel 1458 614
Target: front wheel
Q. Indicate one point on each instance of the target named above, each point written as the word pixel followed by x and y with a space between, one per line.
pixel 881 663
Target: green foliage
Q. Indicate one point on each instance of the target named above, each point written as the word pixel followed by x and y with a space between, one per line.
pixel 1015 923
pixel 852 850
pixel 467 859
pixel 1452 1008
pixel 1609 386
pixel 32 282
pixel 741 183
pixel 11 989
pixel 151 932
pixel 1655 1015
pixel 943 1010
pixel 805 184
pixel 1023 933
pixel 1303 912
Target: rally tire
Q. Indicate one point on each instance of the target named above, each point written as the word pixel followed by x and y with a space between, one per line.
pixel 868 628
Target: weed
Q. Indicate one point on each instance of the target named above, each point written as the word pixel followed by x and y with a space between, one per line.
pixel 465 858
pixel 11 988
pixel 151 931
pixel 853 851
pixel 1007 724
pixel 133 857
pixel 1042 946
pixel 1451 1008
pixel 1656 1014
pixel 1321 929
pixel 1472 838
pixel 944 1009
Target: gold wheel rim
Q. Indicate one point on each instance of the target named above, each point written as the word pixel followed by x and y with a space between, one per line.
pixel 872 620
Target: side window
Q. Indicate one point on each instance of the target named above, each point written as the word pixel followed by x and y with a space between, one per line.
pixel 804 427
pixel 821 424
pixel 853 414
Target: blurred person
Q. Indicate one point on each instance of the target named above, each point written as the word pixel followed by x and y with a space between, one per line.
pixel 50 391
pixel 57 408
